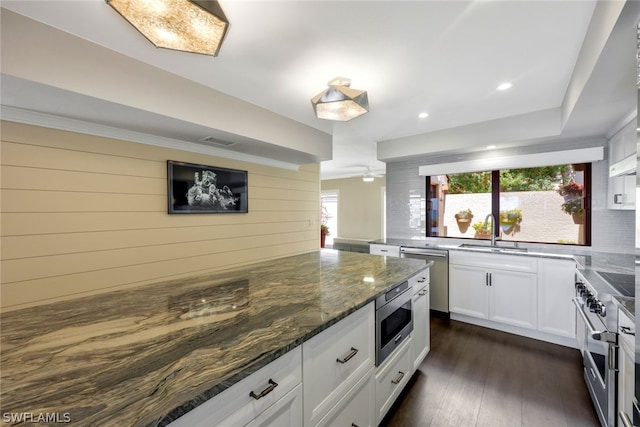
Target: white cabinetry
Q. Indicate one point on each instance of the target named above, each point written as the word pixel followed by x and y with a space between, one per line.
pixel 391 378
pixel 356 408
pixel 385 250
pixel 626 365
pixel 556 312
pixel 499 288
pixel 286 412
pixel 277 402
pixel 621 192
pixel 335 360
pixel 420 337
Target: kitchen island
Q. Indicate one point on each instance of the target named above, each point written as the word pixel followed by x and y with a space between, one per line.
pixel 145 356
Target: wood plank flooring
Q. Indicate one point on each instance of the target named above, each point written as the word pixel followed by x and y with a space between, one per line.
pixel 475 376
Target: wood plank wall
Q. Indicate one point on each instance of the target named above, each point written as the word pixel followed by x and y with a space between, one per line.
pixel 82 214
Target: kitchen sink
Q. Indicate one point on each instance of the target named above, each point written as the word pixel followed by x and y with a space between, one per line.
pixel 490 248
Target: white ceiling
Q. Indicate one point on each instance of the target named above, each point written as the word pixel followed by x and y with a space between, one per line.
pixel 442 57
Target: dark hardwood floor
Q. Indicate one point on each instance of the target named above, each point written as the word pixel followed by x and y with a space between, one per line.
pixel 475 376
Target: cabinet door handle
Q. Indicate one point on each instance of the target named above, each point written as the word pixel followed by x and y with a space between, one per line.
pixel 384 250
pixel 348 357
pixel 263 393
pixel 626 330
pixel 490 279
pixel 398 378
pixel 354 425
pixel 486 279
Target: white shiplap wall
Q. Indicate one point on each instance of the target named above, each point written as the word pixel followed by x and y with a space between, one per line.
pixel 83 214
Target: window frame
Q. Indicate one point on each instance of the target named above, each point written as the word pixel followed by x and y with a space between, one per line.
pixel 495 207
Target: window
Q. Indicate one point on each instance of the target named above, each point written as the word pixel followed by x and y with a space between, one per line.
pixel 540 205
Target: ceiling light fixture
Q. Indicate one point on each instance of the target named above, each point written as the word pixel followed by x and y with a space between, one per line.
pixel 423 115
pixel 504 86
pixel 491 147
pixel 340 102
pixel 186 25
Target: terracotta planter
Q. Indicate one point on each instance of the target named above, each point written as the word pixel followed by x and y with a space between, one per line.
pixel 463 221
pixel 323 238
pixel 483 234
pixel 577 218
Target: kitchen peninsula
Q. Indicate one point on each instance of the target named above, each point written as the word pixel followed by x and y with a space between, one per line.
pixel 146 356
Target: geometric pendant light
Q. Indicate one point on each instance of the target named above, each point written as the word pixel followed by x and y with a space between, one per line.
pixel 340 102
pixel 188 25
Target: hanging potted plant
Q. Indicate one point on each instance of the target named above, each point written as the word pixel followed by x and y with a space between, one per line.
pixel 571 191
pixel 574 208
pixel 483 231
pixel 510 221
pixel 463 219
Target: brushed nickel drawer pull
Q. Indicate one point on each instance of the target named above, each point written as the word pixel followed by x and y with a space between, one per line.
pixel 399 378
pixel 263 393
pixel 348 357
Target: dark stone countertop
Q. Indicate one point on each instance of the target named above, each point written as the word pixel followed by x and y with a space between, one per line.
pixel 145 356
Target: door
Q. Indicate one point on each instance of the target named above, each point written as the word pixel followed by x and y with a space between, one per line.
pixel 468 291
pixel 512 298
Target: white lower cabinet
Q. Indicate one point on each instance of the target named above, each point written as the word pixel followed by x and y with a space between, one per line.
pixel 286 412
pixel 468 291
pixel 499 288
pixel 335 360
pixel 331 380
pixel 391 377
pixel 236 406
pixel 384 250
pixel 556 289
pixel 357 408
pixel 626 363
pixel 420 337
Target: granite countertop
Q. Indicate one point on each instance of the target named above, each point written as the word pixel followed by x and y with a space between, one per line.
pixel 145 356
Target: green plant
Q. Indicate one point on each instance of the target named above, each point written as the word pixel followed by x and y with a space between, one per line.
pixel 511 216
pixel 573 206
pixel 324 229
pixel 465 213
pixel 481 226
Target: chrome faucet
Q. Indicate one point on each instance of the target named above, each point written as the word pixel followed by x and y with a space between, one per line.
pixel 493 224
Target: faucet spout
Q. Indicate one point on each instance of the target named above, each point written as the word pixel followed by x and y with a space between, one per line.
pixel 493 224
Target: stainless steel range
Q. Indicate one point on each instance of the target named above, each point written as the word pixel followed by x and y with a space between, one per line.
pixel 596 333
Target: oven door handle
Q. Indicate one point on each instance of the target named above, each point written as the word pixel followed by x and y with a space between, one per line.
pixel 606 336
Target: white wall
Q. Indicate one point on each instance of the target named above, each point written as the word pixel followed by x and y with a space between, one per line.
pixel 359 207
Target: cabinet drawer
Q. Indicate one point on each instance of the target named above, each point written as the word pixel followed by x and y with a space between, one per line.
pixel 334 361
pixel 386 250
pixel 235 406
pixel 391 378
pixel 356 408
pixel 419 281
pixel 522 263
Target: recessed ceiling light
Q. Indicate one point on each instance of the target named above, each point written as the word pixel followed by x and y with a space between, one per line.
pixel 423 115
pixel 491 147
pixel 504 86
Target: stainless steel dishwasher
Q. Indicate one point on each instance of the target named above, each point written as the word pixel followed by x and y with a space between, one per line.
pixel 439 277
